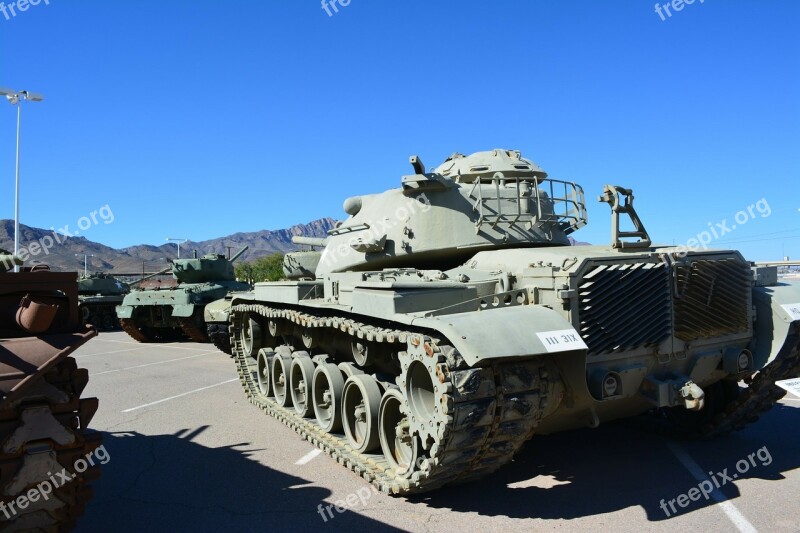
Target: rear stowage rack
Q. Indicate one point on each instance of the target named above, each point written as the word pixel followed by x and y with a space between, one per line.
pixel 535 202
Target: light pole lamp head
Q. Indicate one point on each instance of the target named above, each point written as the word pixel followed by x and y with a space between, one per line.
pixel 33 97
pixel 10 95
pixel 14 97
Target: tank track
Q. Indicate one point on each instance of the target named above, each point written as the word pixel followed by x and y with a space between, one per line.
pixel 129 327
pixel 187 328
pixel 486 413
pixel 190 329
pixel 103 317
pixel 735 413
pixel 44 432
pixel 218 334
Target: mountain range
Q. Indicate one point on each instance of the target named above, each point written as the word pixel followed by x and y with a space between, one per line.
pixel 67 253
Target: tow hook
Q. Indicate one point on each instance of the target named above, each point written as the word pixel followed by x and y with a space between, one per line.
pixel 693 396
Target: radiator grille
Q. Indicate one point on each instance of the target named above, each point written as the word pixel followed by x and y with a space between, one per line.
pixel 712 298
pixel 623 307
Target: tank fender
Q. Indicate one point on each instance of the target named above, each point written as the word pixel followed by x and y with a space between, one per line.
pixel 777 308
pixel 183 310
pixel 505 333
pixel 124 311
pixel 217 311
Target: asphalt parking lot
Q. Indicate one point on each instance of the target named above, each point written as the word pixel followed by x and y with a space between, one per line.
pixel 189 452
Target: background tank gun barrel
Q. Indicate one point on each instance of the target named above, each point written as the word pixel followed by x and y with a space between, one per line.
pixel 145 278
pixel 238 254
pixel 9 261
pixel 309 241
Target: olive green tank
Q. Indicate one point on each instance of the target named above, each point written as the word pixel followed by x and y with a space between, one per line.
pixel 47 456
pixel 162 314
pixel 99 295
pixel 450 320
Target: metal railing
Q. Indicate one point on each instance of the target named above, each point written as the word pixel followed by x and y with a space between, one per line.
pixel 536 202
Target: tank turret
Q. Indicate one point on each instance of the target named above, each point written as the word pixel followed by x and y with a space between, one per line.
pixel 101 284
pixel 488 200
pixel 210 267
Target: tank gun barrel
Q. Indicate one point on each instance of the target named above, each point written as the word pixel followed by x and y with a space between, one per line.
pixel 8 262
pixel 145 278
pixel 239 253
pixel 309 241
pixel 778 263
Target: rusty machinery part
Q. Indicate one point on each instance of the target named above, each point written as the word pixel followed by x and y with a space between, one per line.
pixel 45 433
pixel 441 423
pixel 219 335
pixel 43 419
pixel 730 407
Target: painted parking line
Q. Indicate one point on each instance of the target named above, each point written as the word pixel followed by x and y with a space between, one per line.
pixel 107 353
pixel 151 344
pixel 93 374
pixel 179 395
pixel 308 457
pixel 730 510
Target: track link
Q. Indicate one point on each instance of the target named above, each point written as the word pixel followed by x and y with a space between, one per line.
pixel 103 317
pixel 190 329
pixel 45 431
pixel 761 393
pixel 218 334
pixel 129 327
pixel 486 414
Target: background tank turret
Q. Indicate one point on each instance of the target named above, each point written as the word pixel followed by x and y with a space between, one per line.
pixel 99 295
pixel 177 312
pixel 44 419
pixel 449 320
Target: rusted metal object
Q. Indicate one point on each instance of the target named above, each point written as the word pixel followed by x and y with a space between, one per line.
pixel 47 458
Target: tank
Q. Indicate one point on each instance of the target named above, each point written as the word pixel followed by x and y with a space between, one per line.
pixel 296 265
pixel 47 457
pixel 99 295
pixel 175 313
pixel 449 320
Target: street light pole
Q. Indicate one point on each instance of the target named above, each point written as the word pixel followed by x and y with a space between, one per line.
pixel 85 263
pixel 16 186
pixel 16 98
pixel 178 242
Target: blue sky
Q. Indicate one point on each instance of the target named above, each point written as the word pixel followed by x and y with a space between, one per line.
pixel 202 118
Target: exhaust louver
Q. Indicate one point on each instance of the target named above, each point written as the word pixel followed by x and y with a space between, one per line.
pixel 623 307
pixel 712 298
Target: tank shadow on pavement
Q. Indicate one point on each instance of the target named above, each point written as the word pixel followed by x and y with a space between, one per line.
pixel 170 483
pixel 591 472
